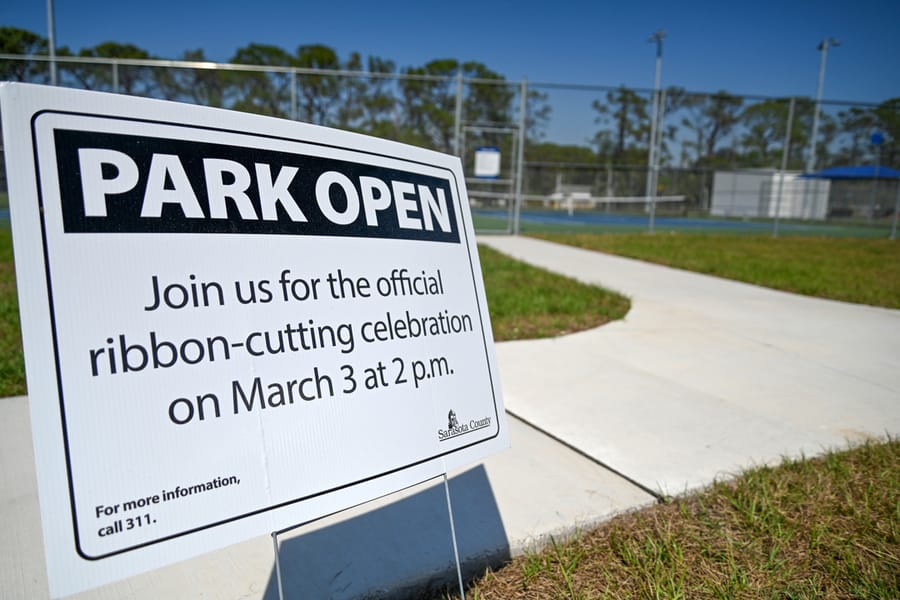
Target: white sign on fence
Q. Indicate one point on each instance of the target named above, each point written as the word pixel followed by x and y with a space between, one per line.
pixel 487 162
pixel 233 324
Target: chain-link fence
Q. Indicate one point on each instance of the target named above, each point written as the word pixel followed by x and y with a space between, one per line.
pixel 571 156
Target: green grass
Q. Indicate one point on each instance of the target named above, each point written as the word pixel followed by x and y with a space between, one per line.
pixel 524 302
pixel 864 271
pixel 827 527
pixel 12 366
pixel 527 302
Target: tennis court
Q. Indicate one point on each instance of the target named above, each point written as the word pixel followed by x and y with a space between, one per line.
pixel 493 221
pixel 602 222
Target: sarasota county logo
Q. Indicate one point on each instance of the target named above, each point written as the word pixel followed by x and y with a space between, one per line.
pixel 456 429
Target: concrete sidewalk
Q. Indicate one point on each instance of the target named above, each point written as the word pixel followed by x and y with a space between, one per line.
pixel 385 548
pixel 702 378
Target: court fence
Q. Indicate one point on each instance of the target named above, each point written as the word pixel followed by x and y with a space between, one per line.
pixel 571 156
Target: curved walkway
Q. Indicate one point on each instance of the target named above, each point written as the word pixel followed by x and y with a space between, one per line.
pixel 704 376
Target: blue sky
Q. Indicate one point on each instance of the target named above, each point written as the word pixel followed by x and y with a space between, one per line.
pixel 762 47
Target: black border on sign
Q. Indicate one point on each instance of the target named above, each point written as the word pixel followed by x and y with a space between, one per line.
pixel 56 357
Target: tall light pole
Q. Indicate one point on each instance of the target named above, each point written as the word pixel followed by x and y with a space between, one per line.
pixel 651 155
pixel 51 41
pixel 823 48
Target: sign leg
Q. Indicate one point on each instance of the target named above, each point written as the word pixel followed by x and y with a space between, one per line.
pixel 277 566
pixel 462 591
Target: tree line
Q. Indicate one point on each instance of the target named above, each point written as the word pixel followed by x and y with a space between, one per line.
pixel 700 130
pixel 722 130
pixel 418 108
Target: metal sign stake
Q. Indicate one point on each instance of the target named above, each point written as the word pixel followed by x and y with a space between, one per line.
pixel 277 566
pixel 462 591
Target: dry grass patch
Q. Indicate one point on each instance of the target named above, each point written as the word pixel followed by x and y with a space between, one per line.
pixel 827 527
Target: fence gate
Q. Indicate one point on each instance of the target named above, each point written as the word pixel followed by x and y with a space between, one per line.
pixel 490 159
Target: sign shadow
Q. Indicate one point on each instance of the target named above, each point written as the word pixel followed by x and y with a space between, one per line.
pixel 398 549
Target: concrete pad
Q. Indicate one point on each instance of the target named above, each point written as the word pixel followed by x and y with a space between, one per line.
pixel 704 376
pixel 386 547
pixel 22 573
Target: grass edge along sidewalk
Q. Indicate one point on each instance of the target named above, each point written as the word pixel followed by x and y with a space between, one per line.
pixel 524 302
pixel 823 527
pixel 862 271
pixel 12 365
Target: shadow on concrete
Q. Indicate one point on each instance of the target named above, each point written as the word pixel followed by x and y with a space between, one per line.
pixel 398 550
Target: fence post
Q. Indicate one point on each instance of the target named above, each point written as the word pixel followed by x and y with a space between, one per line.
pixel 896 210
pixel 457 116
pixel 520 151
pixel 293 94
pixel 786 151
pixel 115 76
pixel 656 144
pixel 650 151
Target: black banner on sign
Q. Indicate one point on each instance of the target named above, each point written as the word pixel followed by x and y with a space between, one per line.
pixel 116 183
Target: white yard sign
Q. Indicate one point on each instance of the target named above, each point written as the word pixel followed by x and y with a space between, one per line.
pixel 233 324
